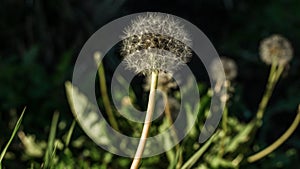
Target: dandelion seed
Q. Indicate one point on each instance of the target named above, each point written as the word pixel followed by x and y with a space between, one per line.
pixel 276 48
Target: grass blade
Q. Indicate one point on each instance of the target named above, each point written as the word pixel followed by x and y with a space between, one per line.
pixel 12 136
pixel 68 138
pixel 51 139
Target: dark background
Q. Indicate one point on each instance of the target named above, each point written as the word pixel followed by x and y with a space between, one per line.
pixel 40 41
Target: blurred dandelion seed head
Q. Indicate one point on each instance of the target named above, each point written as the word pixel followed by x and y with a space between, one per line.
pixel 155 42
pixel 276 48
pixel 165 82
pixel 230 69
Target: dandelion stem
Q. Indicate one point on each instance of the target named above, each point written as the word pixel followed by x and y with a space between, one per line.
pixel 278 142
pixel 147 123
pixel 103 89
pixel 275 72
pixel 224 119
pixel 224 127
pixel 174 134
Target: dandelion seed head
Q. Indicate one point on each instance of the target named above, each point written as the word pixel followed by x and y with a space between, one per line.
pixel 276 48
pixel 155 42
pixel 230 68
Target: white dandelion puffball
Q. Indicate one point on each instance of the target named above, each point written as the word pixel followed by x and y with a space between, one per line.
pixel 276 48
pixel 155 42
pixel 230 69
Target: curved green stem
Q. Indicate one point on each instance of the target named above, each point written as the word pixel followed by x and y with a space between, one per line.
pixel 278 142
pixel 275 72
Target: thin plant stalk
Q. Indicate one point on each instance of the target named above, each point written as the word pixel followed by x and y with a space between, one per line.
pixel 12 136
pixel 275 72
pixel 199 153
pixel 147 123
pixel 225 119
pixel 278 142
pixel 167 109
pixel 103 90
pixel 224 128
pixel 224 100
pixel 70 132
pixel 174 135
